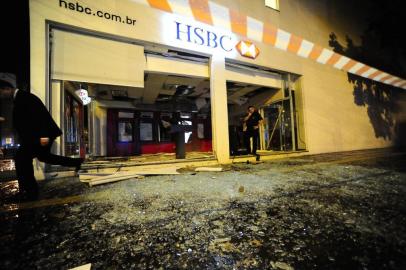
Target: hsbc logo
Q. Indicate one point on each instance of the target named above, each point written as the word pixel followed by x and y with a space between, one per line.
pixel 247 49
pixel 214 40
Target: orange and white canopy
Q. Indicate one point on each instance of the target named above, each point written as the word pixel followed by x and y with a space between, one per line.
pixel 220 16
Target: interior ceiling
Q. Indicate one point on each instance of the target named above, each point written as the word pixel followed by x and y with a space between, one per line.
pixel 156 86
pixel 160 87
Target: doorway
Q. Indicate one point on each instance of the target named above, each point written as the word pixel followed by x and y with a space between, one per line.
pixel 139 104
pixel 273 95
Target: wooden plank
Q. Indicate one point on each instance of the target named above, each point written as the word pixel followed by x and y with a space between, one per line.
pixel 123 175
pixel 86 177
pixel 115 175
pixel 208 169
pixel 97 181
pixel 157 171
pixel 83 267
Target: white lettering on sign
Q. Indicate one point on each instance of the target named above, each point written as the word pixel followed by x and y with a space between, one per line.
pixel 200 36
pixel 186 33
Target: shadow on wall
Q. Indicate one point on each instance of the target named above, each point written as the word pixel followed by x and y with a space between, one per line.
pixel 380 99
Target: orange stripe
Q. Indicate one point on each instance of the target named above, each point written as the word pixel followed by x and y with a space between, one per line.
pixel 385 78
pixel 334 59
pixel 160 4
pixel 376 73
pixel 270 32
pixel 316 51
pixel 396 81
pixel 362 70
pixel 349 65
pixel 201 11
pixel 294 43
pixel 238 22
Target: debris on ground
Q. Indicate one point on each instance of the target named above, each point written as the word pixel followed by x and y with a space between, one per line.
pixel 330 211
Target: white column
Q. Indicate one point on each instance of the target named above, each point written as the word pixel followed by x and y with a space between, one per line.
pixel 56 107
pixel 218 96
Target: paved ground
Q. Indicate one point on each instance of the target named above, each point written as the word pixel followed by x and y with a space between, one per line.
pixel 336 211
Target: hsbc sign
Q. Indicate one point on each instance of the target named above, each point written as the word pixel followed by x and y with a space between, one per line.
pixel 214 40
pixel 203 37
pixel 247 49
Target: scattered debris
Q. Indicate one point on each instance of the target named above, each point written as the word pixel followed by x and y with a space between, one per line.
pixel 322 216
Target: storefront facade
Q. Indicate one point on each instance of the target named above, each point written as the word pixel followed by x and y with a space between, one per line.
pixel 220 56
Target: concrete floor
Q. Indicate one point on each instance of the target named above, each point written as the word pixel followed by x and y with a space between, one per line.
pixel 332 211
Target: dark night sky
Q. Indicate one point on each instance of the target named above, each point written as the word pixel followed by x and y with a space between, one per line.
pixel 15 40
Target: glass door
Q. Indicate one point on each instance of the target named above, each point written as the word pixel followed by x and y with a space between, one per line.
pixel 73 120
pixel 278 134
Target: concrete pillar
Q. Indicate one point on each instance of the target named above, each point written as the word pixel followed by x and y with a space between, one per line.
pixel 218 96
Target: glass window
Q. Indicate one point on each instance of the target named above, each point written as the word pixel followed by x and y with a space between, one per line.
pixel 73 124
pixel 146 131
pixel 164 127
pixel 125 131
pixel 272 4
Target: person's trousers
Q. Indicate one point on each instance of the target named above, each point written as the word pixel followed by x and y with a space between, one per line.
pixel 25 169
pixel 255 137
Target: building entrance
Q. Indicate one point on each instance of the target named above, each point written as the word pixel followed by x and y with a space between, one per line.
pixel 128 100
pixel 272 94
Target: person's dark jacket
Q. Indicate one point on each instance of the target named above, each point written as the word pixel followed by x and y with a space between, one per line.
pixel 253 121
pixel 32 120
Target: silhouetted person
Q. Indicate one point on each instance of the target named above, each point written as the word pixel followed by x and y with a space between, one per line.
pixel 251 129
pixel 36 131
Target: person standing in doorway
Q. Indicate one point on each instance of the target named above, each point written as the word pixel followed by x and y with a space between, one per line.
pixel 251 126
pixel 36 131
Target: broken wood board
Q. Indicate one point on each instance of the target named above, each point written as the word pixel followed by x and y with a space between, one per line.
pixel 86 177
pixel 123 175
pixel 83 267
pixel 110 179
pixel 208 169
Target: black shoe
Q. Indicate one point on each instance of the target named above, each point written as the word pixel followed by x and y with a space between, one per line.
pixel 257 157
